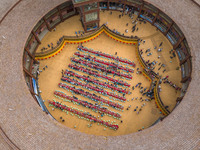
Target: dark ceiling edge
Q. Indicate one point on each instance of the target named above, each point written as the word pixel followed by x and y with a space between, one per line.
pixel 10 10
pixel 194 1
pixel 7 140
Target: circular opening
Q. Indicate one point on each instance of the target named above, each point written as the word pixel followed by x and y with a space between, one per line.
pixel 122 69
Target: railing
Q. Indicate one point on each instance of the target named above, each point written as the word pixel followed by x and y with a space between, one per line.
pixel 88 37
pixel 140 59
pixel 119 36
pixel 66 38
pixel 145 73
pixel 158 100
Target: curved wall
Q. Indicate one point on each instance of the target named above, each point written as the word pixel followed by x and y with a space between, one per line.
pixel 29 128
pixel 143 9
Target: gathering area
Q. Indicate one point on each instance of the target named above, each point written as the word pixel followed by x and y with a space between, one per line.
pixel 88 74
pixel 105 77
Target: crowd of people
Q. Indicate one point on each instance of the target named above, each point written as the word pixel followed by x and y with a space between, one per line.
pixel 172 84
pixel 95 107
pixel 79 33
pixel 38 71
pixel 93 96
pixel 130 12
pixel 97 74
pixel 107 68
pixel 113 65
pixel 51 45
pixel 144 92
pixel 102 84
pixel 100 68
pixel 111 57
pixel 92 88
pixel 103 69
pixel 83 114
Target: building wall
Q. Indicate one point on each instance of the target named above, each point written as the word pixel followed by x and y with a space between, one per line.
pixel 30 128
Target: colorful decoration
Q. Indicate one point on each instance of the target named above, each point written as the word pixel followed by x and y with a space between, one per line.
pixel 85 115
pixel 90 72
pixel 94 81
pixel 87 104
pixel 91 96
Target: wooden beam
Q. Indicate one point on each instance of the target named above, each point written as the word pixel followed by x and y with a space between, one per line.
pixel 98 16
pixel 189 69
pixel 60 14
pixel 91 11
pixel 186 78
pixel 32 92
pixel 36 37
pixel 28 73
pixel 25 56
pixel 98 24
pixel 29 53
pixel 179 99
pixel 83 3
pixel 124 7
pixel 83 13
pixel 179 42
pixel 184 60
pixel 154 20
pixel 98 6
pixel 165 33
pixel 74 9
pixel 141 8
pixel 35 50
pixel 90 22
pixel 48 27
pixel 190 66
pixel 31 65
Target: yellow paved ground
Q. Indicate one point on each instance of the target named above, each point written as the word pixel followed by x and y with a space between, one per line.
pixel 132 122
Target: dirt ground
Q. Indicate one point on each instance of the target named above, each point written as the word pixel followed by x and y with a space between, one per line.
pixel 132 122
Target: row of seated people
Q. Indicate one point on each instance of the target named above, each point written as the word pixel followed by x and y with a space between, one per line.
pixel 100 68
pixel 93 96
pixel 96 82
pixel 90 87
pixel 120 98
pixel 99 53
pixel 83 114
pixel 96 74
pixel 87 104
pixel 99 61
pixel 172 84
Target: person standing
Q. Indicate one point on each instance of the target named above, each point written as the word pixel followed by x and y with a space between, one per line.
pixel 160 44
pixel 62 73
